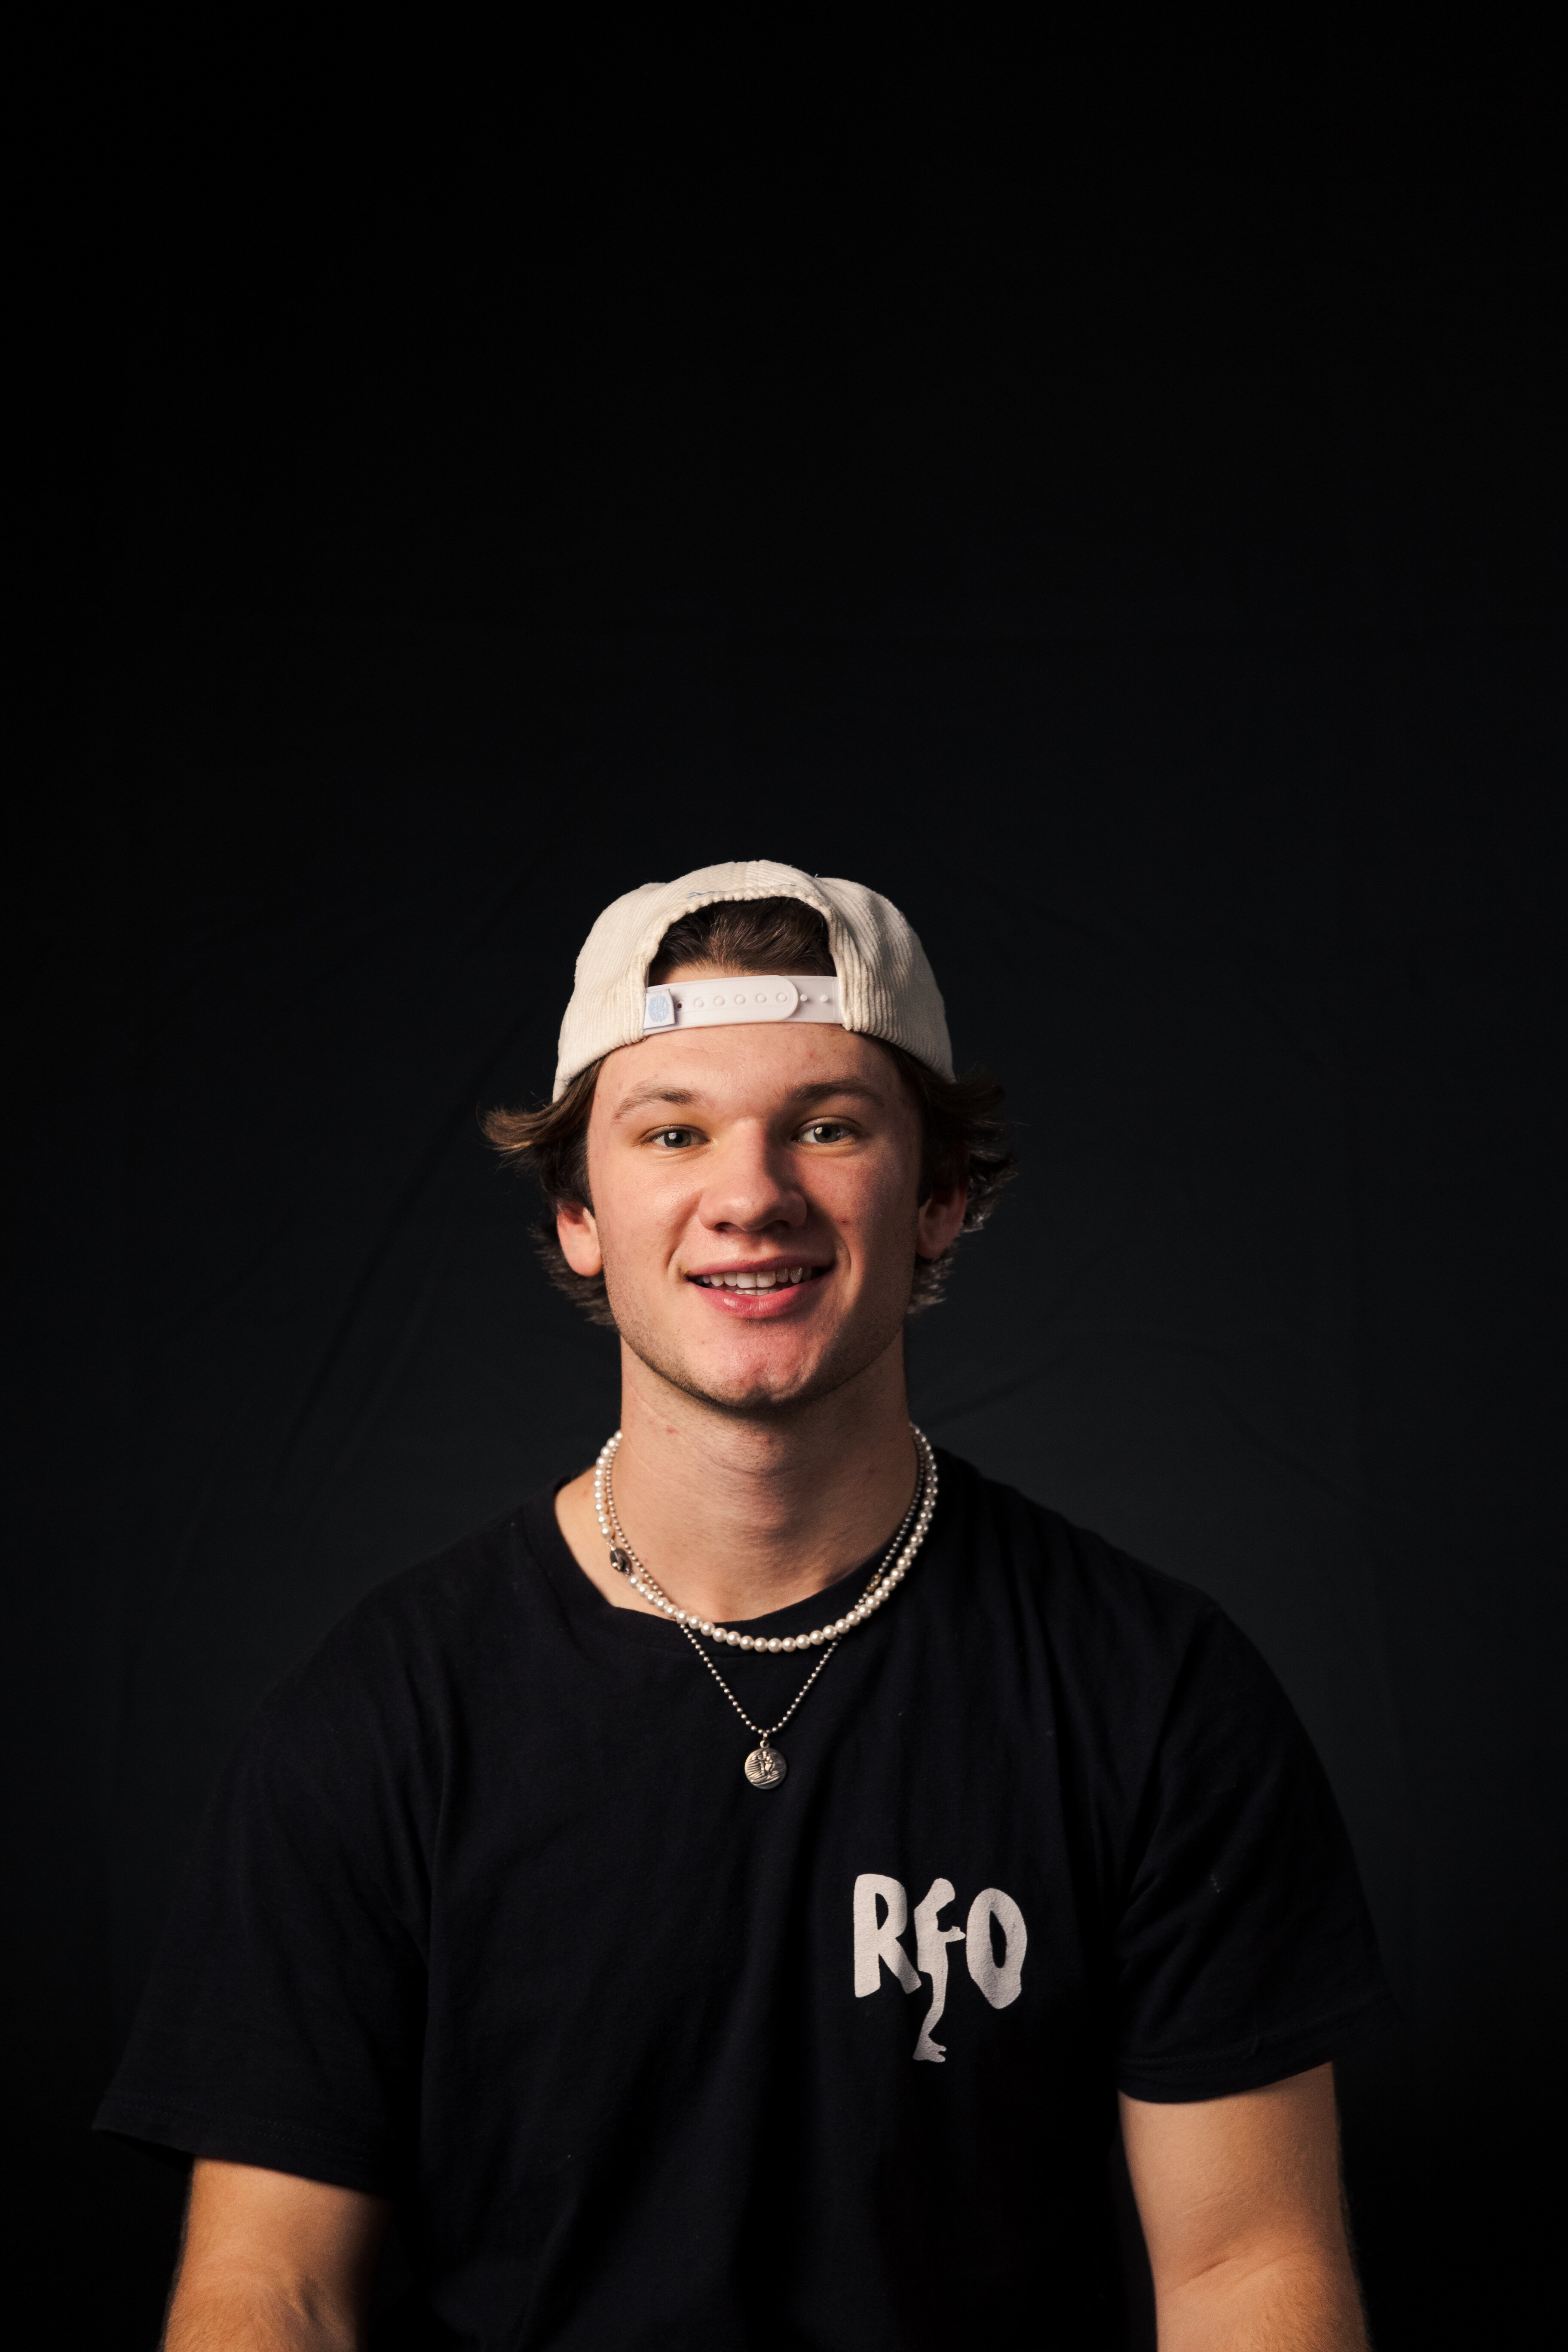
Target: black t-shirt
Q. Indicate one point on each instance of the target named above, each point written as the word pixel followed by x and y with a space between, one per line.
pixel 487 1919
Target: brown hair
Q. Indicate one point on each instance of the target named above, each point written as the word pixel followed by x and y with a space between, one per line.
pixel 962 1131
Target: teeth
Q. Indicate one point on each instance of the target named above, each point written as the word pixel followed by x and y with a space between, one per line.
pixel 773 1280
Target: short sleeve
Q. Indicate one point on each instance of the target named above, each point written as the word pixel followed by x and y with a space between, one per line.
pixel 283 2021
pixel 1243 1952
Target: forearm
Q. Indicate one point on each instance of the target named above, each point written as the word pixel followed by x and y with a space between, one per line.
pixel 238 2311
pixel 1303 2303
pixel 273 2262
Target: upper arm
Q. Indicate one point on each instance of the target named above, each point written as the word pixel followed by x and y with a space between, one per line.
pixel 271 2259
pixel 1230 2189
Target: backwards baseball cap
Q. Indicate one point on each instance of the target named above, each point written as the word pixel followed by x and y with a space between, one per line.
pixel 882 985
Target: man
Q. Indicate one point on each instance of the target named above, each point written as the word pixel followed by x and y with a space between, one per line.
pixel 723 1903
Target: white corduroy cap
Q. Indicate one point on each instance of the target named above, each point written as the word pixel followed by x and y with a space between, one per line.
pixel 884 986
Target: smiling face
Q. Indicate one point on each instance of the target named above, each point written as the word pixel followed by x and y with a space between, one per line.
pixel 755 1209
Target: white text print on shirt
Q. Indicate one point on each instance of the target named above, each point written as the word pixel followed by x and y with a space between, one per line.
pixel 881 1915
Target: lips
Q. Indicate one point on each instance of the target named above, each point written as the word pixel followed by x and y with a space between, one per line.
pixel 760 1293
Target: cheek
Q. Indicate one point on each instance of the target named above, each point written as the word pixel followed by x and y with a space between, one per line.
pixel 641 1211
pixel 871 1201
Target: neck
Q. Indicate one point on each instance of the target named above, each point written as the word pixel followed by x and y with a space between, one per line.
pixel 737 1515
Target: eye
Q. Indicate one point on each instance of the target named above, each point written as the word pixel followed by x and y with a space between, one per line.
pixel 673 1138
pixel 826 1131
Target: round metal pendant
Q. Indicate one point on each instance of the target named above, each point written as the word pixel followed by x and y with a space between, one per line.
pixel 765 1768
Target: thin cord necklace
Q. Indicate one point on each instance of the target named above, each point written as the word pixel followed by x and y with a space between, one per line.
pixel 765 1768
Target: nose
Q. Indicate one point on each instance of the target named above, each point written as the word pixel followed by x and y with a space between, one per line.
pixel 751 1187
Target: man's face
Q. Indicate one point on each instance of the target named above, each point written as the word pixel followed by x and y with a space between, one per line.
pixel 763 1153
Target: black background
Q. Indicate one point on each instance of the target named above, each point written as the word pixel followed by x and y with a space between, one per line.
pixel 1128 533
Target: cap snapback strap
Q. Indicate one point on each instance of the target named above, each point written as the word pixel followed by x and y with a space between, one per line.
pixel 725 999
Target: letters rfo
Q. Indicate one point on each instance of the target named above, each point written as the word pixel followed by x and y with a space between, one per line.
pixel 882 1916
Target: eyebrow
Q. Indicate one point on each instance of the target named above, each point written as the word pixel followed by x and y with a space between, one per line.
pixel 820 1090
pixel 647 1094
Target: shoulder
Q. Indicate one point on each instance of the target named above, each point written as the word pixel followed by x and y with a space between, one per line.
pixel 401 1657
pixel 1091 1592
pixel 1136 1658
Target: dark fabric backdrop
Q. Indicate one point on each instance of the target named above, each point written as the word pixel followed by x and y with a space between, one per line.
pixel 1153 585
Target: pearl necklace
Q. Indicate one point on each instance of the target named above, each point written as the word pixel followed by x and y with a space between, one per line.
pixel 765 1768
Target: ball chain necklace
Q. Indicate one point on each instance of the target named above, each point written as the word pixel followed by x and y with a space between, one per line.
pixel 764 1767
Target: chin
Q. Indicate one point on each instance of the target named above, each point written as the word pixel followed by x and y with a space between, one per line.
pixel 751 1371
pixel 748 1387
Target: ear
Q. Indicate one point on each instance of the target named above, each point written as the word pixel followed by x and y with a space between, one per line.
pixel 579 1237
pixel 941 1219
